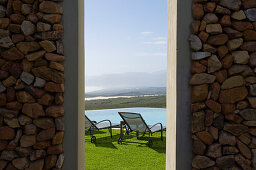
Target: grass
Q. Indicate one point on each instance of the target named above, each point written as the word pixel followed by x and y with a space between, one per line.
pixel 148 101
pixel 107 154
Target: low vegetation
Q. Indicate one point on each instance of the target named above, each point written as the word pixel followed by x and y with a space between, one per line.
pixel 148 101
pixel 107 154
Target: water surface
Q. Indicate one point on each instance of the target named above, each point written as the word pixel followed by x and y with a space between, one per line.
pixel 150 115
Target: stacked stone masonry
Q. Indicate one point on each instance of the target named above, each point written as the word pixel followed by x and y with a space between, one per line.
pixel 223 81
pixel 31 85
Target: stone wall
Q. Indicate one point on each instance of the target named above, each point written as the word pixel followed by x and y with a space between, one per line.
pixel 223 84
pixel 31 85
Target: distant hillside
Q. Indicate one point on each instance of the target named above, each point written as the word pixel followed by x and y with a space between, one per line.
pixel 122 81
pixel 128 92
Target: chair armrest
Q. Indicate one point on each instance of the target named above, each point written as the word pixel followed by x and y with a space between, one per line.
pixel 157 124
pixel 104 121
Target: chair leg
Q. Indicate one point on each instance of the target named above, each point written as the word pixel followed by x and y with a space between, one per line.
pixel 110 131
pixel 162 135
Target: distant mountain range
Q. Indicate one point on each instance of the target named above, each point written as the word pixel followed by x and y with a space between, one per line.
pixel 124 81
pixel 128 92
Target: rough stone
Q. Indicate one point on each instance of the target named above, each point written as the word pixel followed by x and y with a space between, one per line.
pixel 233 95
pixel 52 18
pixel 253 89
pixel 27 141
pixel 199 93
pixel 241 57
pixel 12 123
pixel 234 81
pixel 234 44
pixel 221 76
pixel 46 100
pixel 26 47
pixel 236 129
pixel 214 29
pixel 51 35
pixel 37 154
pixel 39 82
pixel 33 110
pixel 50 7
pixel 225 21
pixel 251 14
pixel 42 145
pixel 210 18
pixel 209 48
pixel 60 58
pixel 50 161
pixel 60 161
pixel 233 118
pixel 219 39
pixel 214 151
pixel 48 74
pixel 8 155
pixel 53 87
pixel 205 137
pixel 47 134
pixel 201 162
pixel 36 165
pixel 202 78
pixel 252 101
pixel 198 122
pixel 59 123
pixel 243 70
pixel 242 25
pixel 214 106
pixel 20 163
pixel 24 97
pixel 7 133
pixel 42 27
pixel 249 46
pixel 54 111
pixel 28 28
pixel 227 61
pixel 198 11
pixel 49 46
pixel 12 54
pixel 2 88
pixel 200 68
pixel 24 120
pixel 249 35
pixel 214 64
pixel 30 129
pixel 238 15
pixel 245 151
pixel 229 150
pixel 6 42
pixel 35 56
pixel 195 43
pixel 27 78
pixel 44 123
pixel 241 161
pixel 215 91
pixel 222 10
pixel 248 114
pixel 232 33
pixel 56 149
pixel 225 162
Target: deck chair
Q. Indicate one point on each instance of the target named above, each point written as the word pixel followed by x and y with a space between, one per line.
pixel 91 126
pixel 135 124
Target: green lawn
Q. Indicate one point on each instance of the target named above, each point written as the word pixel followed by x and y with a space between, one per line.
pixel 107 154
pixel 148 101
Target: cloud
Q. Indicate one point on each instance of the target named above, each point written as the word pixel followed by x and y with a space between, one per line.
pixel 156 42
pixel 147 33
pixel 143 54
pixel 159 38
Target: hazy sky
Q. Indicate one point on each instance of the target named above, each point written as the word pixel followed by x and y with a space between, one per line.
pixel 125 36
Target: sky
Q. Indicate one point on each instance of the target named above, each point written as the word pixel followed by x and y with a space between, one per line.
pixel 125 36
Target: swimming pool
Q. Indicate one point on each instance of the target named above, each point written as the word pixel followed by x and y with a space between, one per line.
pixel 150 115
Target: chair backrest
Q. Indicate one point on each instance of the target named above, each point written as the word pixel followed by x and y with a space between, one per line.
pixel 134 121
pixel 89 123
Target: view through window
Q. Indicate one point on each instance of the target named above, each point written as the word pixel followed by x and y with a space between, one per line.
pixel 125 88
